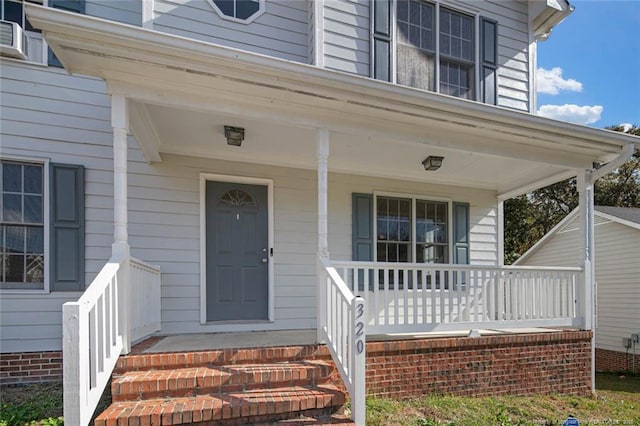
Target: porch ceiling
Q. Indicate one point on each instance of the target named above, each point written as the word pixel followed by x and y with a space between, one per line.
pixel 182 92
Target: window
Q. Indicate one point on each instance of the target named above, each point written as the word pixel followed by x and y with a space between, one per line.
pixel 22 225
pixel 418 53
pixel 13 11
pixel 412 230
pixel 435 49
pixel 243 11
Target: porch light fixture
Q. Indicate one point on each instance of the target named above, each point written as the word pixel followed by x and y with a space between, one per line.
pixel 432 163
pixel 234 135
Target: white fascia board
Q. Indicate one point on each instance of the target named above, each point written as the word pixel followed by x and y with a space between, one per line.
pixel 546 237
pixel 72 34
pixel 617 219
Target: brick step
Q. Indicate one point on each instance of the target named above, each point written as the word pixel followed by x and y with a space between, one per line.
pixel 138 385
pixel 173 360
pixel 233 408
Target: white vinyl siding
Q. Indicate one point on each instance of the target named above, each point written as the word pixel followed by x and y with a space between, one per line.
pixel 281 31
pixel 346 36
pixel 617 271
pixel 47 114
pixel 125 11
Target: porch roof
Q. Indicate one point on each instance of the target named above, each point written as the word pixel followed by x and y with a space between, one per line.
pixel 182 91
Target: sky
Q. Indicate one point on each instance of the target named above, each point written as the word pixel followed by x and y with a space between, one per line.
pixel 589 67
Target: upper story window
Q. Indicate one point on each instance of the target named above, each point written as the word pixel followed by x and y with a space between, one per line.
pixel 23 42
pixel 26 42
pixel 436 49
pixel 244 11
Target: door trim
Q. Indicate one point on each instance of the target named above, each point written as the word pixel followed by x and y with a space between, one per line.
pixel 204 177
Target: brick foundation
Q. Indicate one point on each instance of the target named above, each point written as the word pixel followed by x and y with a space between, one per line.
pixel 30 367
pixel 617 362
pixel 492 365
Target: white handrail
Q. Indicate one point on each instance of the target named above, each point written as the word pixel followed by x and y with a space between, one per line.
pixel 418 297
pixel 95 332
pixel 92 343
pixel 345 335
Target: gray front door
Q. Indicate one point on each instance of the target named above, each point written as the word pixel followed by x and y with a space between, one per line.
pixel 237 252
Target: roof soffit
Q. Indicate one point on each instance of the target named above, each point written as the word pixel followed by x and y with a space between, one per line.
pixel 154 63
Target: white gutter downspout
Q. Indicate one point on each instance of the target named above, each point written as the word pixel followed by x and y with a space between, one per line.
pixel 586 182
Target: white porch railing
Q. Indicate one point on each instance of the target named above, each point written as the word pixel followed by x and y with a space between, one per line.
pixel 410 297
pixel 96 330
pixel 344 332
pixel 145 299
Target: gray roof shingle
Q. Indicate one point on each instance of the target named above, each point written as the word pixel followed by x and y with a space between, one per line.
pixel 632 214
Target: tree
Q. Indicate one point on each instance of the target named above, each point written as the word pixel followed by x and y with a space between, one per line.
pixel 529 217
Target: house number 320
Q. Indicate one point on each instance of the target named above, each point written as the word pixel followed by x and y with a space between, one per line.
pixel 359 328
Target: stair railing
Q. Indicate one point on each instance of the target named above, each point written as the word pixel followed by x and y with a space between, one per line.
pixel 344 316
pixel 92 342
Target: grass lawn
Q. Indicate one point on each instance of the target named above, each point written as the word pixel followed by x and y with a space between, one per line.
pixel 617 403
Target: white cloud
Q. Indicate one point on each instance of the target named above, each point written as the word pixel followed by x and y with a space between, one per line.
pixel 551 82
pixel 573 113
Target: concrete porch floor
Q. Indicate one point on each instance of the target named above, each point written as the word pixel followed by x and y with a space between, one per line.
pixel 256 339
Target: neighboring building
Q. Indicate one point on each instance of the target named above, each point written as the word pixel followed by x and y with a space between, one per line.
pixel 254 145
pixel 617 237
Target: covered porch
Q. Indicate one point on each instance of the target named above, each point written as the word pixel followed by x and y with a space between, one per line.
pixel 334 135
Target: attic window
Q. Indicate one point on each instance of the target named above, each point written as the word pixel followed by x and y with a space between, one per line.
pixel 243 11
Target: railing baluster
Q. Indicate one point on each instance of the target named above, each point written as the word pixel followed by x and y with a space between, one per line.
pixel 405 294
pixel 396 284
pixel 414 275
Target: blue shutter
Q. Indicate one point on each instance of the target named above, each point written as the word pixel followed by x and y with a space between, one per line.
pixel 362 227
pixel 489 60
pixel 70 6
pixel 382 39
pixel 66 227
pixel 461 233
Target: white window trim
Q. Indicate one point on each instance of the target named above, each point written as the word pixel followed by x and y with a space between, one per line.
pixel 261 10
pixel 47 255
pixel 204 177
pixel 413 198
pixel 394 28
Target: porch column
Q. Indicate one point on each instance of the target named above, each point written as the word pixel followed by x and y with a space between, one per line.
pixel 323 227
pixel 120 247
pixel 585 207
pixel 586 294
pixel 322 155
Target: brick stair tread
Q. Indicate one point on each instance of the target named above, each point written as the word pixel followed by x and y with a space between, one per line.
pixel 217 379
pixel 172 360
pixel 224 407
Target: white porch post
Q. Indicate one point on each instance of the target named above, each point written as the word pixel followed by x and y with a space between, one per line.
pixel 586 295
pixel 323 228
pixel 120 247
pixel 500 223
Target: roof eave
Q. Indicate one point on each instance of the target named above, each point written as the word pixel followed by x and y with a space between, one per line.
pixel 68 31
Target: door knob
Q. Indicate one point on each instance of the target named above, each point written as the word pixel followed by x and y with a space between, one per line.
pixel 265 260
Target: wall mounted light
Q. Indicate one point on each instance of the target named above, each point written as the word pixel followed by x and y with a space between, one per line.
pixel 432 163
pixel 234 135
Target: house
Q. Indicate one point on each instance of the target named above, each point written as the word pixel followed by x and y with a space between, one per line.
pixel 617 243
pixel 336 167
